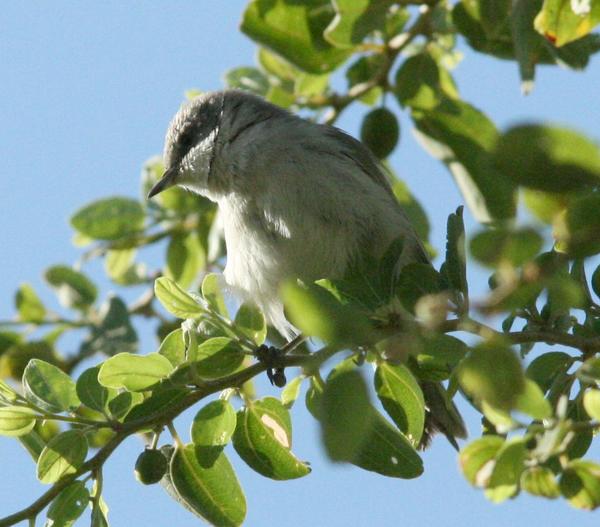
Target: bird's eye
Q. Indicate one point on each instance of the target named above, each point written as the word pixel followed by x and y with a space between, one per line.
pixel 186 139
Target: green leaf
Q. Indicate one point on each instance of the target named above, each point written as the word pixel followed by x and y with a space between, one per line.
pixel 387 452
pixel 493 373
pixel 439 356
pixel 7 394
pixel 16 420
pixel 531 401
pixel 545 206
pixel 294 31
pixel 579 231
pixel 417 280
pixel 402 398
pixel 312 399
pixel 248 79
pixel 580 484
pixel 263 439
pixel 211 291
pixel 185 258
pixel 29 305
pixel 591 403
pixel 510 463
pixel 120 405
pixel 212 492
pixel 73 288
pixel 217 357
pixel 346 415
pixel 214 424
pixel 118 264
pixel 540 481
pixel 134 372
pixel 173 347
pixel 250 321
pixel 413 209
pixel 291 391
pixel 561 23
pixel 501 246
pixel 354 20
pixel 113 331
pixel 380 132
pixel 548 158
pixel 462 137
pixel 151 407
pixel 68 505
pixel 477 458
pixel 109 219
pixel 589 372
pixel 527 43
pixel 317 313
pixel 362 70
pixel 418 83
pixel 175 300
pixel 49 387
pixel 64 454
pixel 91 392
pixel 454 268
pixel 545 368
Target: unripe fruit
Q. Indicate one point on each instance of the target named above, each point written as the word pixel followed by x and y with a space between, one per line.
pixel 380 132
pixel 150 467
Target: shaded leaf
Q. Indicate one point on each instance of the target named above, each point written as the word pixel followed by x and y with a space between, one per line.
pixel 29 306
pixel 212 492
pixel 73 288
pixel 68 505
pixel 346 415
pixel 250 321
pixel 185 258
pixel 91 392
pixel 462 137
pixel 498 246
pixel 548 158
pixel 354 20
pixel 492 372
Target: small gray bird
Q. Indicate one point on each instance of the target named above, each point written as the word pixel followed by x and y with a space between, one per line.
pixel 298 200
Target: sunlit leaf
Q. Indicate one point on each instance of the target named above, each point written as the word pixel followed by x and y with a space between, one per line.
pixel 134 372
pixel 402 398
pixel 175 300
pixel 29 306
pixel 109 219
pixel 64 454
pixel 16 420
pixel 49 387
pixel 263 439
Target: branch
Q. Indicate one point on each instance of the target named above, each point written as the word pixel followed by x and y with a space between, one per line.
pixel 475 327
pixel 200 392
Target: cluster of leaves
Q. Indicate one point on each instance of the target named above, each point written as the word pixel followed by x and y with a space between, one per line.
pixel 537 421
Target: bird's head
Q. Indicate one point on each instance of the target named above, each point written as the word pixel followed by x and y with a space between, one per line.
pixel 190 143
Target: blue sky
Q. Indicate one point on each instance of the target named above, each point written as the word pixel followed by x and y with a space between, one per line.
pixel 87 91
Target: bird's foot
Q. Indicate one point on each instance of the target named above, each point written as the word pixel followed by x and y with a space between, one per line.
pixel 269 356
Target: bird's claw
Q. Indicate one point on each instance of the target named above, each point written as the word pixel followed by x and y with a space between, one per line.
pixel 268 355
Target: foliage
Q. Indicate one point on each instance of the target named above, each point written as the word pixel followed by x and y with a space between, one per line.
pixel 538 420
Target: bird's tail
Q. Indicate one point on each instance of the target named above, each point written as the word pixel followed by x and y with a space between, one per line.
pixel 441 416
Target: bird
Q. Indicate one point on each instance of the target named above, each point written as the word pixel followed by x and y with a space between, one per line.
pixel 298 200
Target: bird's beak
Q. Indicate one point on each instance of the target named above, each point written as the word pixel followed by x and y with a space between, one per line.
pixel 167 180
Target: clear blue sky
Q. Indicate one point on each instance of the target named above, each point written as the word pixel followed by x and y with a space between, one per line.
pixel 87 91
